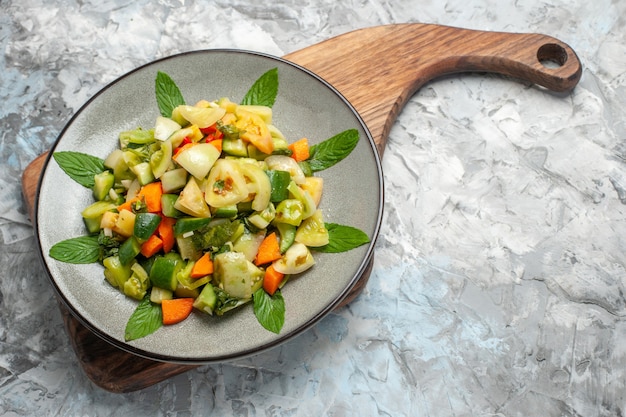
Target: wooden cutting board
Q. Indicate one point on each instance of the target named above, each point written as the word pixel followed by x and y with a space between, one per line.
pixel 377 70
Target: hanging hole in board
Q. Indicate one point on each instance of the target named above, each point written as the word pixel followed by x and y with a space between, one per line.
pixel 552 55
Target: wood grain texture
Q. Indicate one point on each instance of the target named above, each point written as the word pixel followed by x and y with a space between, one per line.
pixel 377 70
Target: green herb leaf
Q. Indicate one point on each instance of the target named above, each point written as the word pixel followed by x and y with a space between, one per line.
pixel 264 90
pixel 269 310
pixel 343 238
pixel 79 166
pixel 333 150
pixel 77 250
pixel 168 94
pixel 145 320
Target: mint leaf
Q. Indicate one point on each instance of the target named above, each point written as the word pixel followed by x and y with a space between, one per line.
pixel 168 95
pixel 77 250
pixel 343 238
pixel 79 166
pixel 264 90
pixel 145 320
pixel 333 150
pixel 269 310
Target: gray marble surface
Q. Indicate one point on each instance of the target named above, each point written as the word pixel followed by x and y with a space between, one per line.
pixel 499 282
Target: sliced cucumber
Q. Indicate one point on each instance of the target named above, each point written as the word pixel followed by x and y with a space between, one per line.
pixel 103 182
pixel 189 224
pixel 168 203
pixel 164 270
pixel 129 250
pixel 235 147
pixel 206 300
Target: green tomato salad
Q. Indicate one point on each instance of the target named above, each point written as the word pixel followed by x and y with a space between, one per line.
pixel 209 209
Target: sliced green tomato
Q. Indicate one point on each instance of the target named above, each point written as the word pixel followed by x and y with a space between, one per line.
pixel 258 183
pixel 133 189
pixel 236 275
pixel 254 130
pixel 248 244
pixel 289 211
pixel 146 224
pixel 143 171
pixel 314 186
pixel 131 158
pixel 115 272
pixel 192 132
pixel 137 136
pixel 286 163
pixel 276 133
pixel 161 160
pixel 134 289
pixel 305 198
pixel 296 260
pixel 191 200
pixel 116 162
pixel 312 232
pixel 174 180
pixel 197 158
pixel 264 112
pixel 164 127
pixel 226 184
pixel 200 116
pixel 225 103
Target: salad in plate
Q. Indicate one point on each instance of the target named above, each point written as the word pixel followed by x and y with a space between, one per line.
pixel 208 210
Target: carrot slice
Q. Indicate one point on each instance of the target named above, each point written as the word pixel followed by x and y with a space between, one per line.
pixel 166 233
pixel 151 194
pixel 300 149
pixel 272 280
pixel 269 250
pixel 151 246
pixel 202 267
pixel 176 310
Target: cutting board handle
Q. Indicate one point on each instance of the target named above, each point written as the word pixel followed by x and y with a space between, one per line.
pixel 378 69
